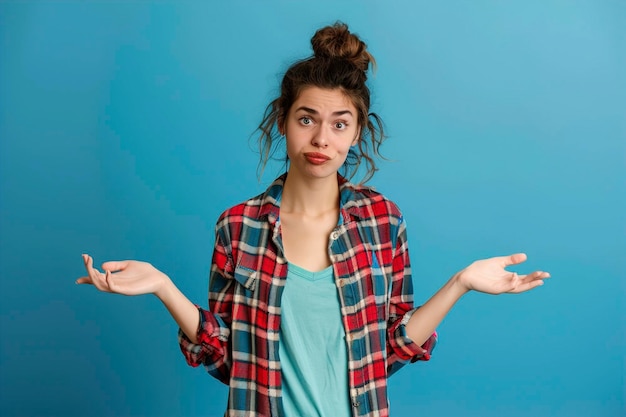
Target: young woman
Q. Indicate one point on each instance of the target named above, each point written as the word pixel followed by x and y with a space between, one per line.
pixel 310 294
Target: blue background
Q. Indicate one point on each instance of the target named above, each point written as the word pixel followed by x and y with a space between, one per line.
pixel 125 130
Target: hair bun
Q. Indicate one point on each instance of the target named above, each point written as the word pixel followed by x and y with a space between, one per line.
pixel 336 41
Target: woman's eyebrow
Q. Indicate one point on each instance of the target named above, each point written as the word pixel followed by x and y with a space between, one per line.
pixel 315 112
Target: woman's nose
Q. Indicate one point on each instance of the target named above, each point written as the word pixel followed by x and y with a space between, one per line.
pixel 320 138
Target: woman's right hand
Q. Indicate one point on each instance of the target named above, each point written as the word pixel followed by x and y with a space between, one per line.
pixel 124 277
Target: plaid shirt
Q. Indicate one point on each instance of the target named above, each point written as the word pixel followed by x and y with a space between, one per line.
pixel 238 337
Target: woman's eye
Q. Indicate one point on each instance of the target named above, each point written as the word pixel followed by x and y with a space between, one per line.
pixel 305 120
pixel 340 125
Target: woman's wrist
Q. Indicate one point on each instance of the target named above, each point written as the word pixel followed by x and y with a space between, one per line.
pixel 165 289
pixel 458 284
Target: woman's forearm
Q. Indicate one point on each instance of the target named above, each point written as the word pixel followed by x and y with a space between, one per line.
pixel 485 275
pixel 182 310
pixel 426 319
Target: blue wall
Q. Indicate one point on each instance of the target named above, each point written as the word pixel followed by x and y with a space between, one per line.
pixel 125 132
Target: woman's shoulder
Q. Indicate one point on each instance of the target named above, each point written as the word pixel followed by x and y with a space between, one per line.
pixel 366 201
pixel 250 208
pixel 258 207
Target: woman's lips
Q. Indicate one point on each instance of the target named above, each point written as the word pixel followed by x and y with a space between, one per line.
pixel 316 158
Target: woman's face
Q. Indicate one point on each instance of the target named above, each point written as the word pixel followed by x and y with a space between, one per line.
pixel 320 128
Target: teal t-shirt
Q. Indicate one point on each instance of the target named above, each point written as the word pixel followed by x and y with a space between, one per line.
pixel 312 346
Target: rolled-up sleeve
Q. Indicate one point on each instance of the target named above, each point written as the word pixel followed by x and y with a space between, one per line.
pixel 212 335
pixel 214 324
pixel 401 348
pixel 404 346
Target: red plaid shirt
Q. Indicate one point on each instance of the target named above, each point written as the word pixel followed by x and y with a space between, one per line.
pixel 238 337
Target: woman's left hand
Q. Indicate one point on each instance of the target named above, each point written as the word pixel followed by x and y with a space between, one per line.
pixel 491 277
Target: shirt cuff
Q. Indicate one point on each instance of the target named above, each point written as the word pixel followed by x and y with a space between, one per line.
pixel 212 335
pixel 411 350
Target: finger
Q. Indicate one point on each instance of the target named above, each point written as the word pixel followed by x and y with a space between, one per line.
pixel 115 265
pixel 535 275
pixel 530 281
pixel 527 286
pixel 84 280
pixel 86 260
pixel 88 263
pixel 97 278
pixel 514 259
pixel 87 279
pixel 109 280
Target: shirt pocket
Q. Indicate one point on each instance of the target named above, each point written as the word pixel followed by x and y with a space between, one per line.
pixel 247 278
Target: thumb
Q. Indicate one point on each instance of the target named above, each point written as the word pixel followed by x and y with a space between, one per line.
pixel 515 259
pixel 113 266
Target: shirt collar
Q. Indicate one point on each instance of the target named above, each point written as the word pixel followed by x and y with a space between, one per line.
pixel 350 203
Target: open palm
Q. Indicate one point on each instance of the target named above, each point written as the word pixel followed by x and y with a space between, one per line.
pixel 491 277
pixel 123 277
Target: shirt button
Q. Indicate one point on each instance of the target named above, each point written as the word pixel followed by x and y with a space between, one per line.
pixel 334 235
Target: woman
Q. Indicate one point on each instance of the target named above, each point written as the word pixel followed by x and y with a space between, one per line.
pixel 310 295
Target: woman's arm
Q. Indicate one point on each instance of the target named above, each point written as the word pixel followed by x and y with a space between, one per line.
pixel 486 275
pixel 135 278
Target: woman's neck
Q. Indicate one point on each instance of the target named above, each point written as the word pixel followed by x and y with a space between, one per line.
pixel 310 196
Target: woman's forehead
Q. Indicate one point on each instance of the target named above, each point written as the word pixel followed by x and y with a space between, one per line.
pixel 324 99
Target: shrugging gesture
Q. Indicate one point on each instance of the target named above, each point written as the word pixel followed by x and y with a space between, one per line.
pixel 304 264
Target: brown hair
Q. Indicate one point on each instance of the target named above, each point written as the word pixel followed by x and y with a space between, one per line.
pixel 340 60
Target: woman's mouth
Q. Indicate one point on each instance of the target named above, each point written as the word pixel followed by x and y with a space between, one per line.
pixel 316 158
